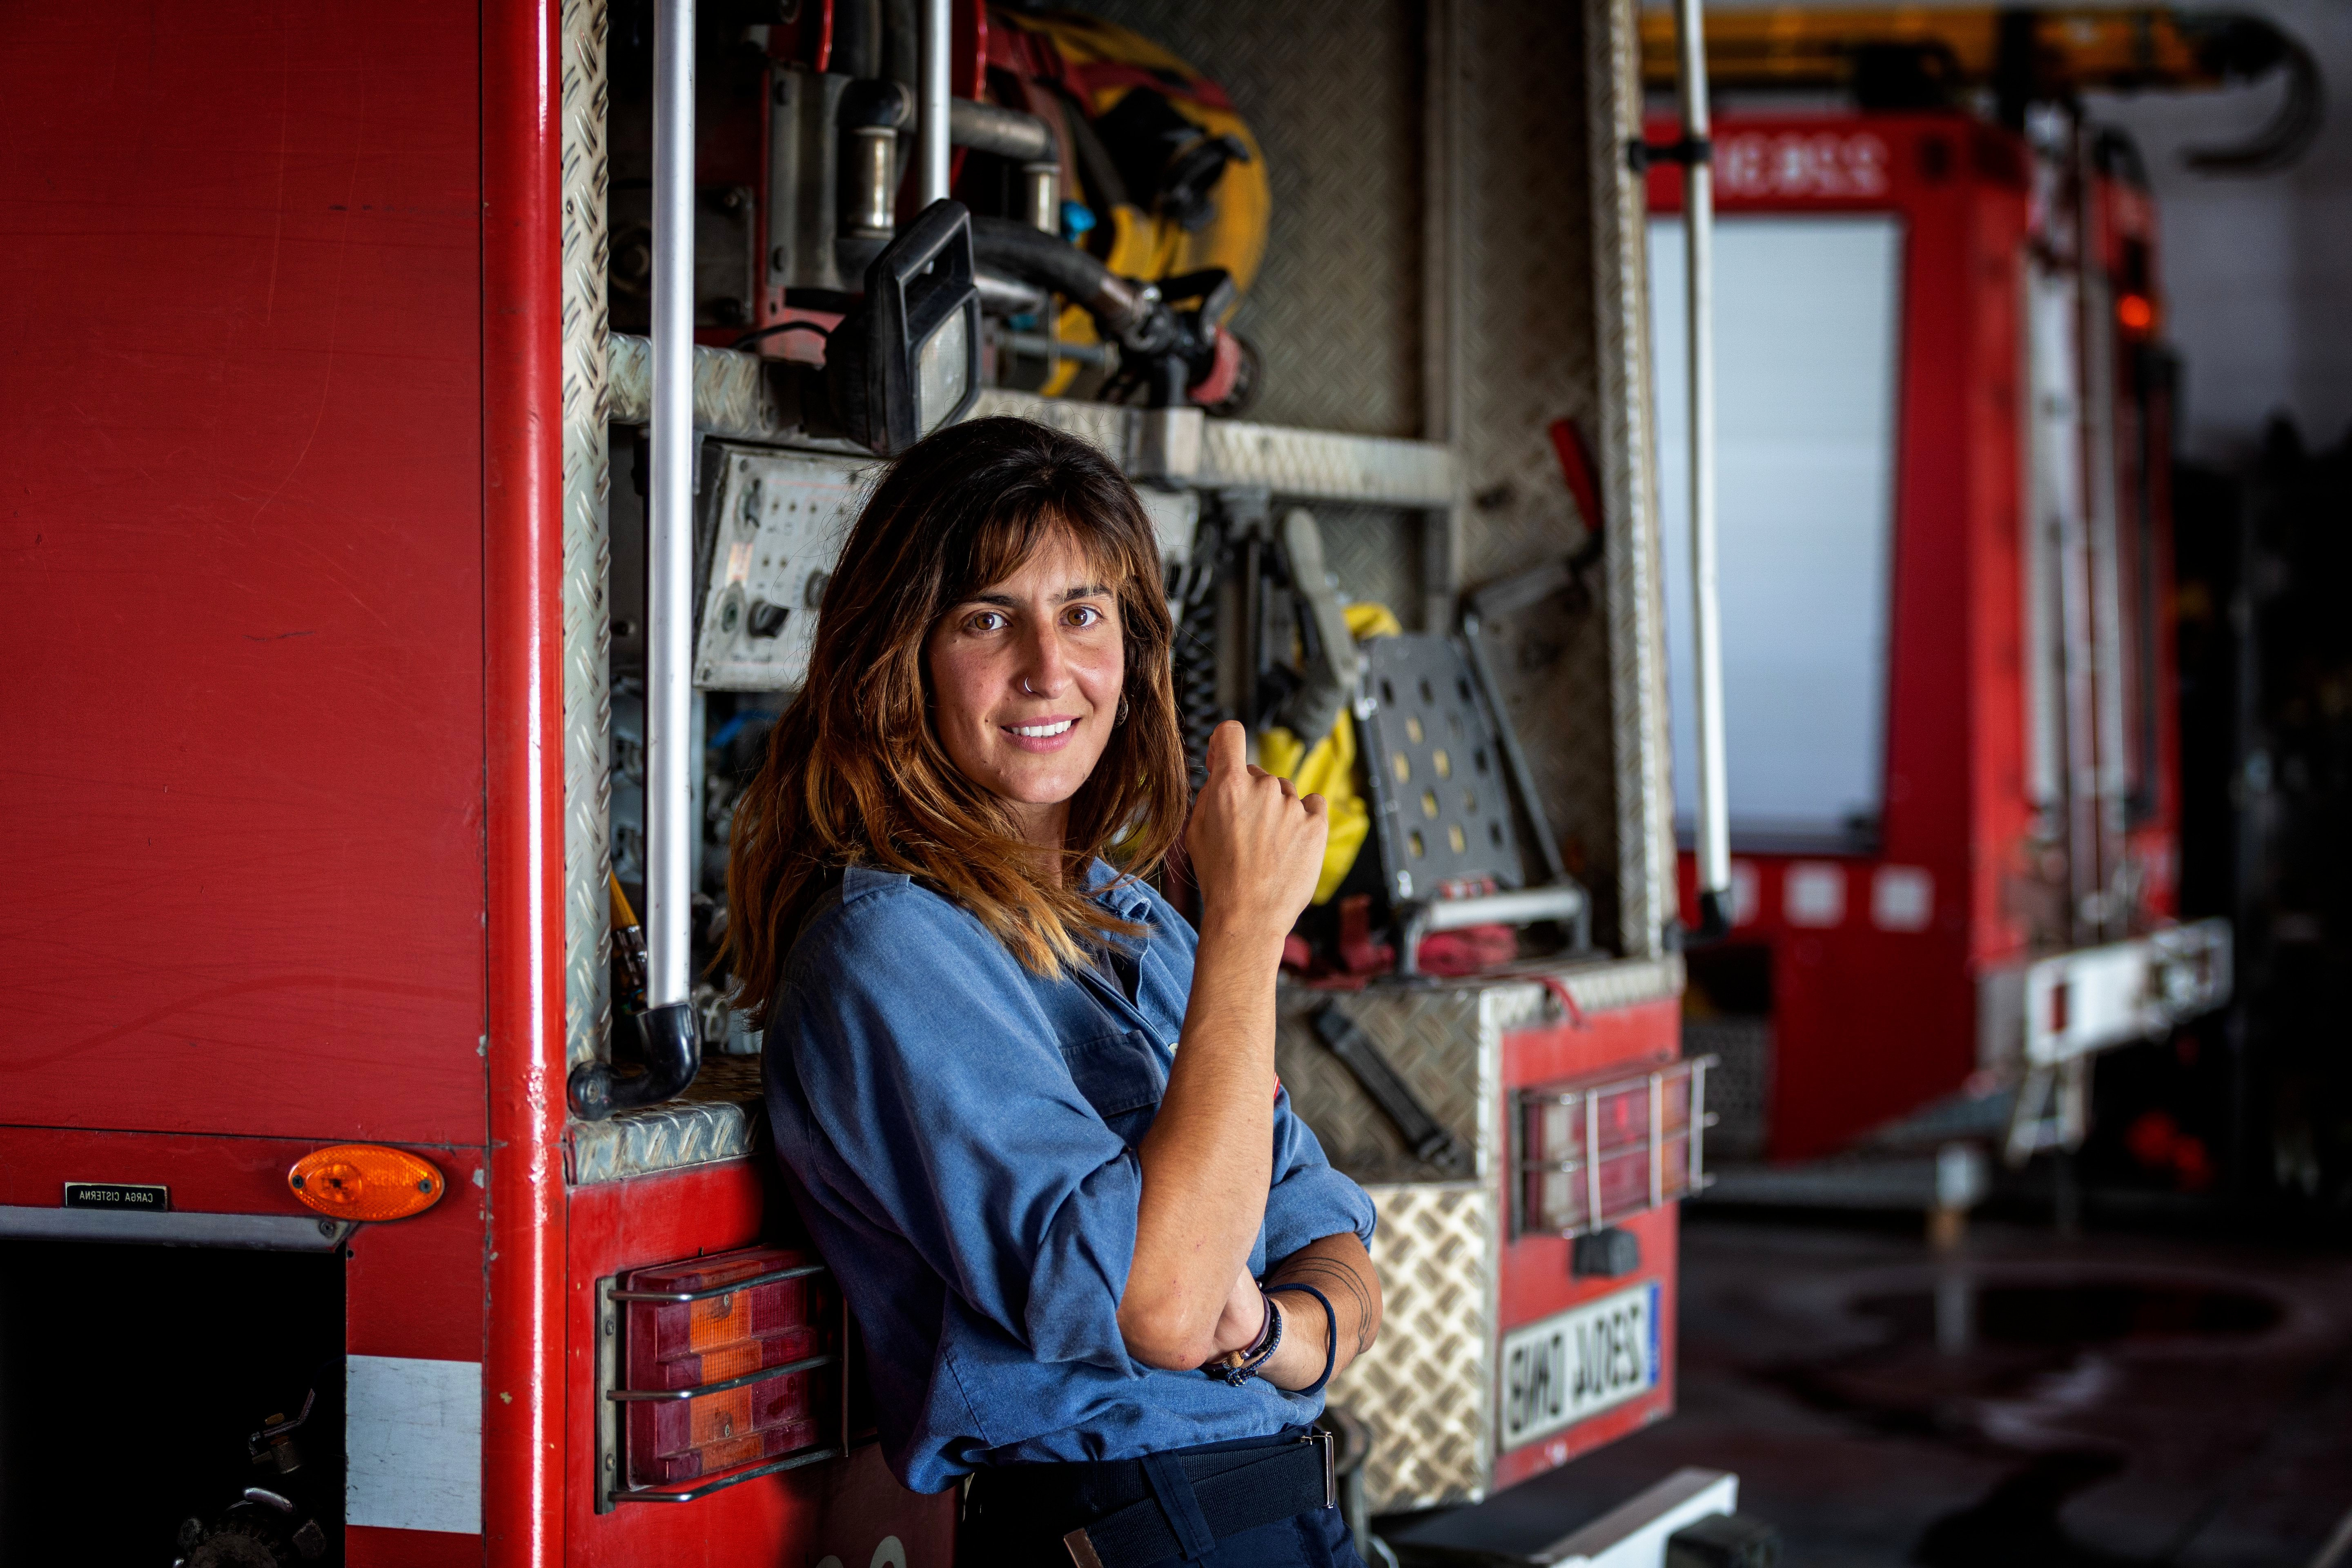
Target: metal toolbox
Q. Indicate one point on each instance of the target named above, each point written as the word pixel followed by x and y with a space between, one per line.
pixel 1474 1381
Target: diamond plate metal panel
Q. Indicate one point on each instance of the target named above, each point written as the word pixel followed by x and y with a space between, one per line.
pixel 1425 1387
pixel 587 546
pixel 1375 553
pixel 1619 284
pixel 1625 981
pixel 1326 465
pixel 720 1117
pixel 1331 90
pixel 1299 464
pixel 1527 346
pixel 1443 1043
pixel 732 396
pixel 1102 426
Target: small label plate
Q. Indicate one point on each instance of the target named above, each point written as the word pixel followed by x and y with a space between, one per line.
pixel 116 1195
pixel 1578 1363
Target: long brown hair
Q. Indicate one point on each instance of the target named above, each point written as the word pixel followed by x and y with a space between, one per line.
pixel 854 773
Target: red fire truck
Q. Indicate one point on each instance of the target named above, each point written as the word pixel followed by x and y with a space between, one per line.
pixel 1943 427
pixel 387 626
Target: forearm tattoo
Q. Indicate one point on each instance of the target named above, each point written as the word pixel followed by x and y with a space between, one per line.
pixel 1336 1280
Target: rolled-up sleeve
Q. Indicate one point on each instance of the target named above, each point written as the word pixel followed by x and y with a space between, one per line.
pixel 939 1085
pixel 1309 1200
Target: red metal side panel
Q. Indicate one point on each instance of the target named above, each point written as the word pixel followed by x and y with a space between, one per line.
pixel 414 1289
pixel 1533 1280
pixel 843 1508
pixel 240 369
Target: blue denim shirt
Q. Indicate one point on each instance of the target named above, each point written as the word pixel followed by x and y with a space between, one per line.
pixel 964 1135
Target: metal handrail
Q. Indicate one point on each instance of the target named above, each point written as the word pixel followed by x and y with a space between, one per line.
pixel 1620 1150
pixel 726 1386
pixel 712 1292
pixel 782 1462
pixel 1573 1090
pixel 670 836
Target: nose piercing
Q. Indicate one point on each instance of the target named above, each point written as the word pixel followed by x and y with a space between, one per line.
pixel 1026 687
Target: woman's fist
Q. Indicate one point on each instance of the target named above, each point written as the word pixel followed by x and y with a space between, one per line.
pixel 1256 846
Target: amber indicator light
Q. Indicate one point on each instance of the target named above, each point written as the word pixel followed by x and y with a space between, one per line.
pixel 365 1182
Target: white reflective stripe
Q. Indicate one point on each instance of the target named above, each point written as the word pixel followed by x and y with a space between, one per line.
pixel 413 1444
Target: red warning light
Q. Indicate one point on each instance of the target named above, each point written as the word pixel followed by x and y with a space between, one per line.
pixel 2135 313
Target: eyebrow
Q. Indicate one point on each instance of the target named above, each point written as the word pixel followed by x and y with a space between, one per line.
pixel 1068 596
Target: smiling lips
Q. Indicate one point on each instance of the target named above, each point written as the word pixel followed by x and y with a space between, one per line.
pixel 1047 735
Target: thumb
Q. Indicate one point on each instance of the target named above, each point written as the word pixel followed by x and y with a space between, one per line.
pixel 1228 749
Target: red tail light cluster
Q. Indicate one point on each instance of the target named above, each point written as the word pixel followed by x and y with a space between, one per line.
pixel 1594 1151
pixel 759 1366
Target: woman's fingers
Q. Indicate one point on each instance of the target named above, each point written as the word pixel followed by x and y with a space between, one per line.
pixel 1256 844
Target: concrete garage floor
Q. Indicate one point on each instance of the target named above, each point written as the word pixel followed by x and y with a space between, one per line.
pixel 2027 1401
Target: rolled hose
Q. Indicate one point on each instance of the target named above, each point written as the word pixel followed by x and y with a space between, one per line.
pixel 1127 312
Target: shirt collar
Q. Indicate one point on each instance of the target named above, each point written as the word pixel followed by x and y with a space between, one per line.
pixel 1126 897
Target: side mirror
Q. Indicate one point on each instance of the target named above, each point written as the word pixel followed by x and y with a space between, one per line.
pixel 907 360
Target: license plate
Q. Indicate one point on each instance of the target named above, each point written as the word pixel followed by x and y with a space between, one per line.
pixel 1578 1363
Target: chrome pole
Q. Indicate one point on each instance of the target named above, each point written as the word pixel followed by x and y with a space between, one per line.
pixel 670 836
pixel 1707 622
pixel 932 158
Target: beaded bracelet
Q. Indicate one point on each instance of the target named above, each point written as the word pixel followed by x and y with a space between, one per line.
pixel 1269 1340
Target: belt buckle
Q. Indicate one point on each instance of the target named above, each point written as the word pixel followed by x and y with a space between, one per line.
pixel 1081 1548
pixel 1329 1446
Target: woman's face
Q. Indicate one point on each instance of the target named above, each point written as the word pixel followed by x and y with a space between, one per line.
pixel 1026 678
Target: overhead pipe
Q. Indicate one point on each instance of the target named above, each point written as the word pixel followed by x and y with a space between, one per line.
pixel 672 1036
pixel 1023 139
pixel 1707 620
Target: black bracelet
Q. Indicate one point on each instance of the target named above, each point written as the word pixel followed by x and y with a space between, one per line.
pixel 1269 1340
pixel 1330 1337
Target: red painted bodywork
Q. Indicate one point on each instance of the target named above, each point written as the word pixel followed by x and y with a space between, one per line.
pixel 240 295
pixel 843 1510
pixel 1870 1024
pixel 281 385
pixel 1532 1279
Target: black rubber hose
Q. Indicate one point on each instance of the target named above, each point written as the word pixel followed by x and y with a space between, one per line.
pixel 672 1035
pixel 1124 312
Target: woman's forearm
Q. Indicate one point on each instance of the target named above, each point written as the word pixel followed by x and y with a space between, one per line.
pixel 1256 849
pixel 1208 1159
pixel 1341 1270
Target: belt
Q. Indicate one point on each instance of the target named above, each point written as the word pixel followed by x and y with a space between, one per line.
pixel 1189 1501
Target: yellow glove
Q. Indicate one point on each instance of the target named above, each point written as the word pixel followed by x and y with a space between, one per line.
pixel 1327 768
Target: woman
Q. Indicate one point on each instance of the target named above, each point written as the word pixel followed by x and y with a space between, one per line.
pixel 1032 1116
